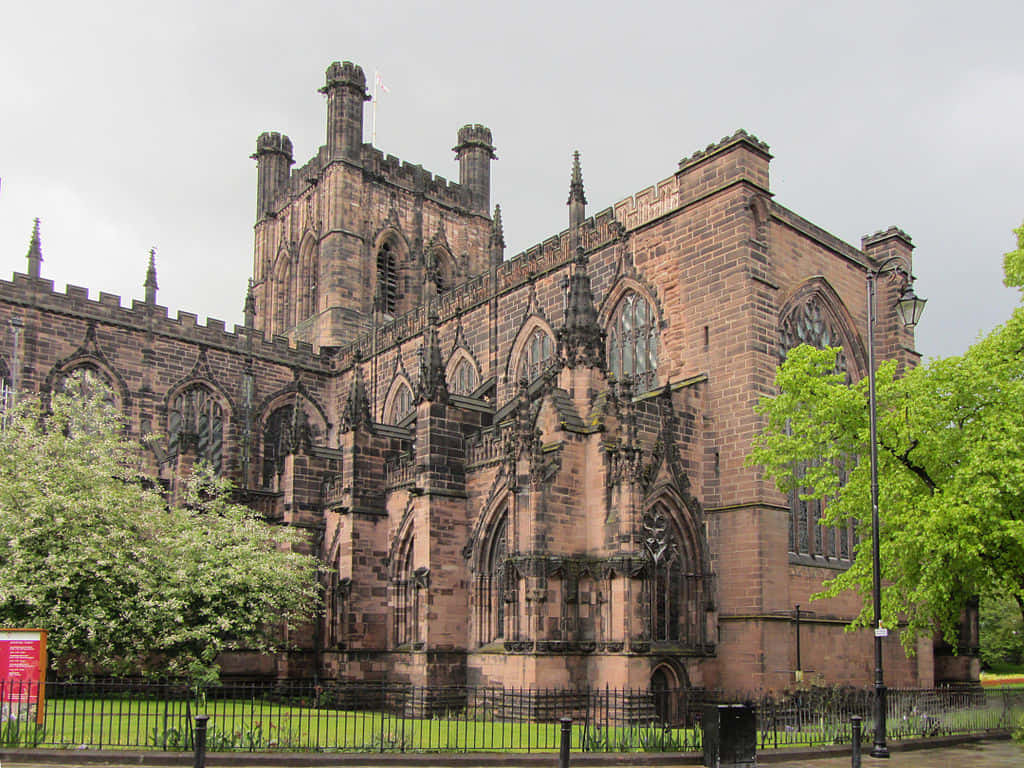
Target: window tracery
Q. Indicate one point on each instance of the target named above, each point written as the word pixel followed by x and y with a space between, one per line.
pixel 284 430
pixel 464 378
pixel 536 355
pixel 810 321
pixel 633 342
pixel 196 420
pixel 401 404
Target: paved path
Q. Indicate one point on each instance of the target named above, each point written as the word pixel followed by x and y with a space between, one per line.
pixel 981 754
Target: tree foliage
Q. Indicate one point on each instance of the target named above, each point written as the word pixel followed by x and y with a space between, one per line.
pixel 951 471
pixel 122 583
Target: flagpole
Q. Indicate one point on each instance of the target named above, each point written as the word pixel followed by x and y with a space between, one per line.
pixel 373 120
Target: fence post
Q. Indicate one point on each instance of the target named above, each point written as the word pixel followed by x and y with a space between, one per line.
pixel 563 753
pixel 200 750
pixel 855 745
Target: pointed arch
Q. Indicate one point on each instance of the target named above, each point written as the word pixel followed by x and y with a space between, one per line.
pixel 390 255
pixel 533 351
pixel 283 290
pixel 198 418
pixel 462 373
pixel 676 584
pixel 288 420
pixel 307 276
pixel 399 403
pixel 631 319
pixel 405 589
pixel 815 314
pixel 98 367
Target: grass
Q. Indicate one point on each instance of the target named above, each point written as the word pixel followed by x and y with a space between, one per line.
pixel 260 725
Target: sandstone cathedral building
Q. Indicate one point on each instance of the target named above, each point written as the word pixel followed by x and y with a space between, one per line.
pixel 523 471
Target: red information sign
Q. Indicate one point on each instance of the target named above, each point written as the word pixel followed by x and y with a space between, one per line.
pixel 22 670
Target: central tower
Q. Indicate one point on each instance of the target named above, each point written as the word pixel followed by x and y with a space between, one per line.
pixel 354 238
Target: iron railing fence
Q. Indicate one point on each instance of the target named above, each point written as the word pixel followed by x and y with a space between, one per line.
pixel 353 716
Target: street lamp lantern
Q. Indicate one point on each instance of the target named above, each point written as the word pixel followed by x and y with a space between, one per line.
pixel 909 307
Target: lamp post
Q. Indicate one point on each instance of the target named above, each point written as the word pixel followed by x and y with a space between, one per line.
pixel 909 308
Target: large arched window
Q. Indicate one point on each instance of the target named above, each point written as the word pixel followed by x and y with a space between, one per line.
pixel 463 380
pixel 93 378
pixel 809 322
pixel 633 342
pixel 386 295
pixel 401 404
pixel 536 355
pixel 812 319
pixel 196 420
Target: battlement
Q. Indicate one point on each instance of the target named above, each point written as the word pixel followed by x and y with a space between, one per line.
pixel 726 142
pixel 401 173
pixel 272 141
pixel 475 135
pixel 869 241
pixel 344 73
pixel 648 204
pixel 35 294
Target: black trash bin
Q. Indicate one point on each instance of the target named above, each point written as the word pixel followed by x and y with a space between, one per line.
pixel 730 736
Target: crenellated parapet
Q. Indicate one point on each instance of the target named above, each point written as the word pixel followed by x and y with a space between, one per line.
pixel 39 295
pixel 410 176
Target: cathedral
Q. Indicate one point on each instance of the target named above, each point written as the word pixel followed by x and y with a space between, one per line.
pixel 519 470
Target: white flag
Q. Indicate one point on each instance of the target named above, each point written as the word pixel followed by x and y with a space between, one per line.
pixel 380 83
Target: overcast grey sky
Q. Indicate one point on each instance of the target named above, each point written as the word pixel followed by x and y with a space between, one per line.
pixel 125 125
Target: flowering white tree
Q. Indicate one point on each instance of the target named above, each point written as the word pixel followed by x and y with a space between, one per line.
pixel 122 583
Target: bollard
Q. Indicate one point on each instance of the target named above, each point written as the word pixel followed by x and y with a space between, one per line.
pixel 855 746
pixel 563 752
pixel 200 754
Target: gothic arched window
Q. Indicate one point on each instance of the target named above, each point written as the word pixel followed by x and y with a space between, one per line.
pixel 406 596
pixel 633 342
pixel 387 279
pixel 495 584
pixel 536 355
pixel 401 404
pixel 464 379
pixel 196 420
pixel 810 321
pixel 94 378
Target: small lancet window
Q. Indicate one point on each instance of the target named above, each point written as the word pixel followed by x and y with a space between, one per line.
pixel 387 279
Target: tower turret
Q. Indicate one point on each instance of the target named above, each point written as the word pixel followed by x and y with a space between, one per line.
pixel 577 201
pixel 474 152
pixel 35 251
pixel 345 89
pixel 273 160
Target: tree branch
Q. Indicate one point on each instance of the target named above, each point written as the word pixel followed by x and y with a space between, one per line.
pixel 904 459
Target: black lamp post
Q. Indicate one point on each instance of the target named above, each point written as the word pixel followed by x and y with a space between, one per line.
pixel 909 308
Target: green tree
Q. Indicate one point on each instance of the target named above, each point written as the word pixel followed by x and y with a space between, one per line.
pixel 951 471
pixel 122 583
